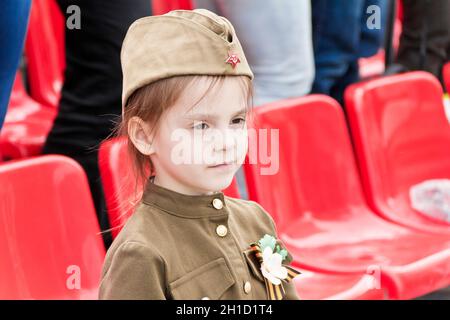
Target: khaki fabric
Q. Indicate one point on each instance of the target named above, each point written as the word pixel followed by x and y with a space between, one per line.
pixel 172 248
pixel 181 42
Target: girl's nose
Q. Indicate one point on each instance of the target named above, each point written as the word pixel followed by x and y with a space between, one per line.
pixel 223 139
pixel 229 139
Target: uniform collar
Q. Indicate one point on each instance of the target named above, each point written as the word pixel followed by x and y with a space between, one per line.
pixel 183 205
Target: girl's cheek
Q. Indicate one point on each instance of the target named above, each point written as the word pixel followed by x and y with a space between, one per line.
pixel 241 147
pixel 201 147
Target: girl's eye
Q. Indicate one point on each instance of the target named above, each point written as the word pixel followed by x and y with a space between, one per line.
pixel 239 121
pixel 201 126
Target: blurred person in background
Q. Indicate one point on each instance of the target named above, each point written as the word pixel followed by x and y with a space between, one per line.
pixel 425 38
pixel 276 36
pixel 343 33
pixel 13 26
pixel 91 95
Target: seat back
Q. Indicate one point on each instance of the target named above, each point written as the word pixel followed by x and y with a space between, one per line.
pixel 50 246
pixel 163 6
pixel 45 52
pixel 316 176
pixel 446 75
pixel 401 135
pixel 13 23
pixel 26 126
pixel 120 185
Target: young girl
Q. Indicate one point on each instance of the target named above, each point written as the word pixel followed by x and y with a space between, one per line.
pixel 187 88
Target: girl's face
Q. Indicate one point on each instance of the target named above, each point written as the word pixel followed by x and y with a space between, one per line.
pixel 197 150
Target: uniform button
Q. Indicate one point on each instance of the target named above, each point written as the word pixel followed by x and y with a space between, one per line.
pixel 221 230
pixel 247 287
pixel 217 203
pixel 206 298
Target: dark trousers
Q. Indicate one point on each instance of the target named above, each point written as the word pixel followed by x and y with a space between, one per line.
pixel 13 26
pixel 91 95
pixel 425 39
pixel 341 37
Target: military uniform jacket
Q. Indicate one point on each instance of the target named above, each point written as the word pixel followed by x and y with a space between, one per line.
pixel 177 246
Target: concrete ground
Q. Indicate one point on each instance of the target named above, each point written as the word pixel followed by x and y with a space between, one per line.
pixel 443 294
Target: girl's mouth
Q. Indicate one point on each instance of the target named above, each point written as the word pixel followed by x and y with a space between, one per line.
pixel 223 166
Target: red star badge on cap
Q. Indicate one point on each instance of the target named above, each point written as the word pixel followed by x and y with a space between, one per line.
pixel 233 59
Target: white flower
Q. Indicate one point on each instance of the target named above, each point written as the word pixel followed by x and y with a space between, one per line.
pixel 271 266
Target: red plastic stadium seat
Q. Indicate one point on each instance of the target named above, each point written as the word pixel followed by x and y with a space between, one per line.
pixel 321 286
pixel 447 76
pixel 49 233
pixel 402 138
pixel 29 119
pixel 317 202
pixel 26 126
pixel 164 6
pixel 45 52
pixel 119 182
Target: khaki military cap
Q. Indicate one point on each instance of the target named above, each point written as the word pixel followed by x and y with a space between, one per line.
pixel 181 42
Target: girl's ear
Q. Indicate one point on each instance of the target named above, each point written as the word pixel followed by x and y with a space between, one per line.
pixel 139 133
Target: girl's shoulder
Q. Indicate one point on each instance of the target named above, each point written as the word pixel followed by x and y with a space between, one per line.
pixel 251 211
pixel 134 233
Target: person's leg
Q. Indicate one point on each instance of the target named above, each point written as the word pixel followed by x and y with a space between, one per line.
pixel 210 5
pixel 13 25
pixel 91 95
pixel 277 42
pixel 336 36
pixel 425 36
pixel 350 76
pixel 372 39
